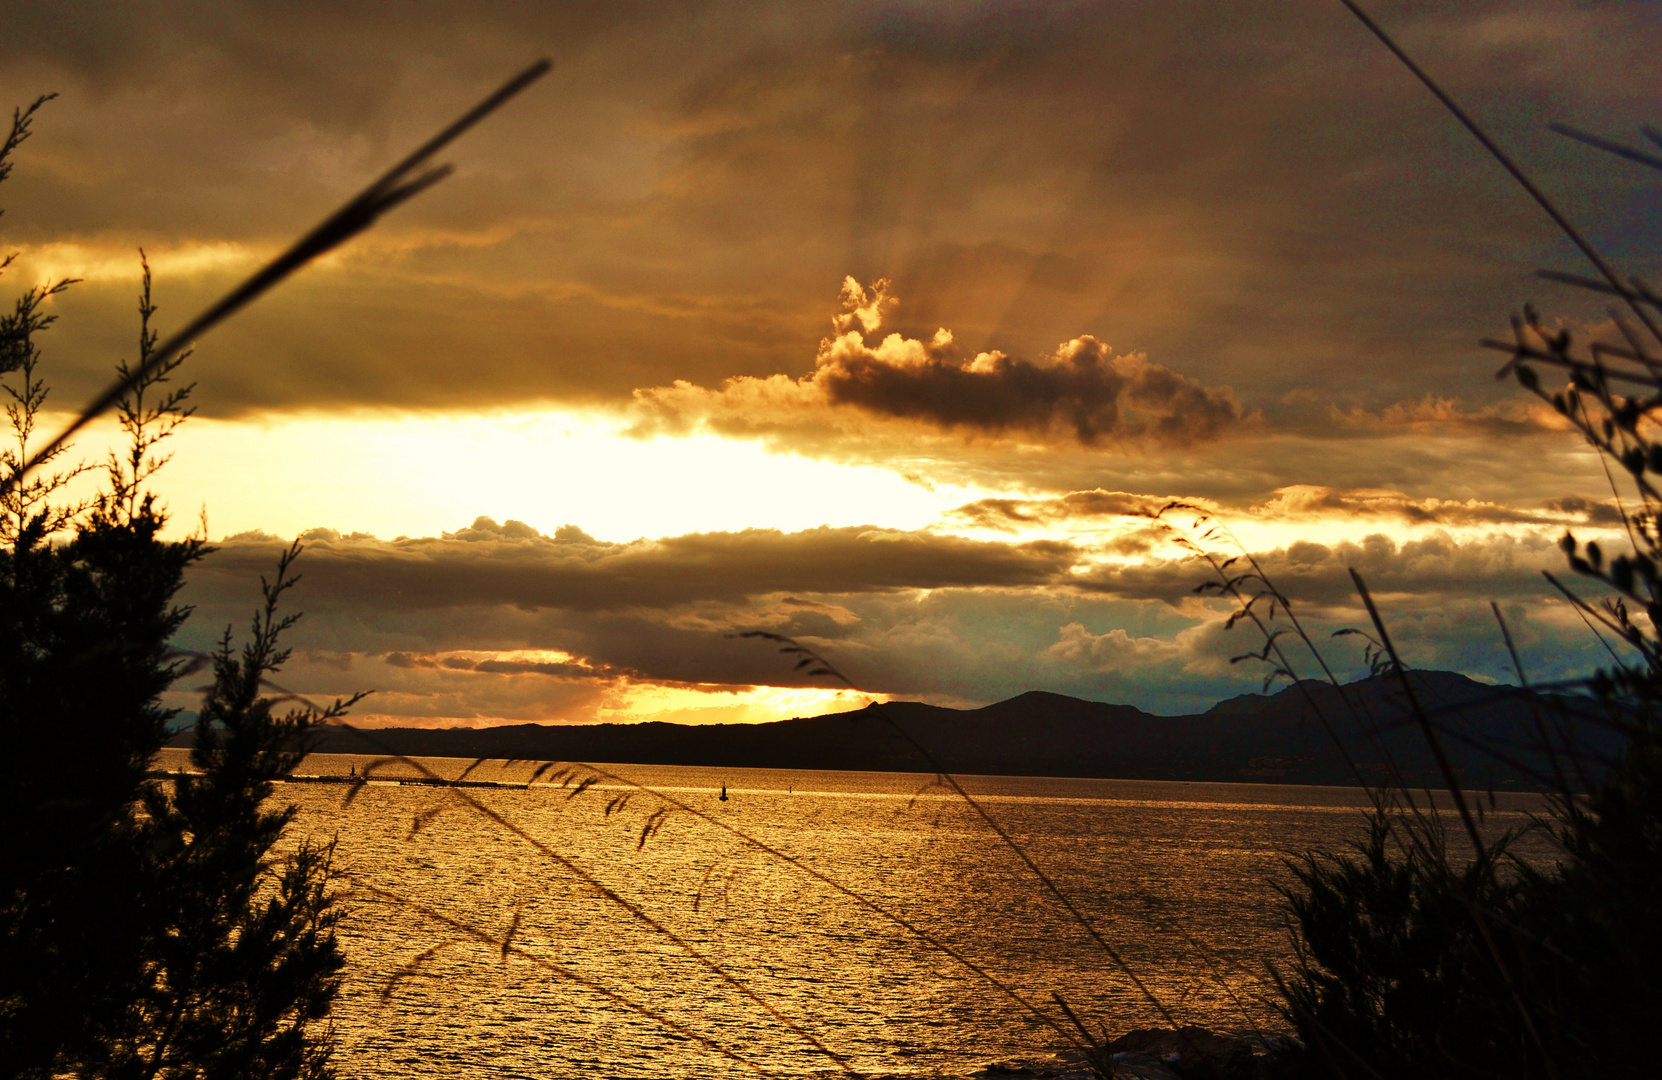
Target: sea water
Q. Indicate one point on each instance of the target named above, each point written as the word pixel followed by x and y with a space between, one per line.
pixel 697 953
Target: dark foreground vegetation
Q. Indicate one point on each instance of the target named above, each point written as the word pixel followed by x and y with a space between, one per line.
pixel 150 931
pixel 1415 959
pixel 1275 738
pixel 145 931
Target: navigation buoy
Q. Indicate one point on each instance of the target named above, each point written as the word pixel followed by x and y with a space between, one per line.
pixel 723 793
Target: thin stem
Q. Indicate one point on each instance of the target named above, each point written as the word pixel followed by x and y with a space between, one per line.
pixel 1506 162
pixel 870 905
pixel 404 181
pixel 635 910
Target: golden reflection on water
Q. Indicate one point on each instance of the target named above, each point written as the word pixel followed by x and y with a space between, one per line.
pixel 1180 878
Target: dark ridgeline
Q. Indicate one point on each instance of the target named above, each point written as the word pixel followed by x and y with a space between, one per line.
pixel 1252 738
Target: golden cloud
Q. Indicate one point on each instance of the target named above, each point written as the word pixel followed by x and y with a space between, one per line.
pixel 1083 393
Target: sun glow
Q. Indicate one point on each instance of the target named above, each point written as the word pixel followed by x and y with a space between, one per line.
pixel 391 474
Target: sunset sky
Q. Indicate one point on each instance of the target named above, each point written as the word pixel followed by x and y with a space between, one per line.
pixel 883 325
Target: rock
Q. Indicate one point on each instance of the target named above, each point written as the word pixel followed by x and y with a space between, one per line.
pixel 1188 1053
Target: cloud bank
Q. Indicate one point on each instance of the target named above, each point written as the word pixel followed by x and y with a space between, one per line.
pixel 1292 246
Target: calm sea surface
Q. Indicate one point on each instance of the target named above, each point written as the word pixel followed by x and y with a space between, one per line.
pixel 1179 878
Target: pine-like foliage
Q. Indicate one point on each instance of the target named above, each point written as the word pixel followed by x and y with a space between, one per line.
pixel 144 932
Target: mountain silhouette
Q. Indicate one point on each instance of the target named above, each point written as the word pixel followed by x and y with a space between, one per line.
pixel 1492 735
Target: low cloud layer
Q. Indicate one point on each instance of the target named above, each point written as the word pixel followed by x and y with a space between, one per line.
pixel 1416 574
pixel 1293 504
pixel 512 563
pixel 1308 500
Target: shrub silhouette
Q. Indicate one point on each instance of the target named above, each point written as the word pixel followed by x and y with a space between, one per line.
pixel 1416 961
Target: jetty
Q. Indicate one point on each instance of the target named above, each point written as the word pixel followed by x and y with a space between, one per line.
pixel 369 781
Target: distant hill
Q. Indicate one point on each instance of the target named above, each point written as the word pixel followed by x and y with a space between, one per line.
pixel 1490 733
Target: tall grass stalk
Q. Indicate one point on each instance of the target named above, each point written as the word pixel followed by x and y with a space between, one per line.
pixel 819 665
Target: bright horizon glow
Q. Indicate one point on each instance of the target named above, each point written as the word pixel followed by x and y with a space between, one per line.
pixel 639 703
pixel 629 702
pixel 413 474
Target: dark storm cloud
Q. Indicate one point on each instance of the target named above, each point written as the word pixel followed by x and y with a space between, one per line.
pixel 1251 195
pixel 1009 514
pixel 556 670
pixel 1309 501
pixel 1316 413
pixel 1083 391
pixel 513 564
pixel 1593 511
